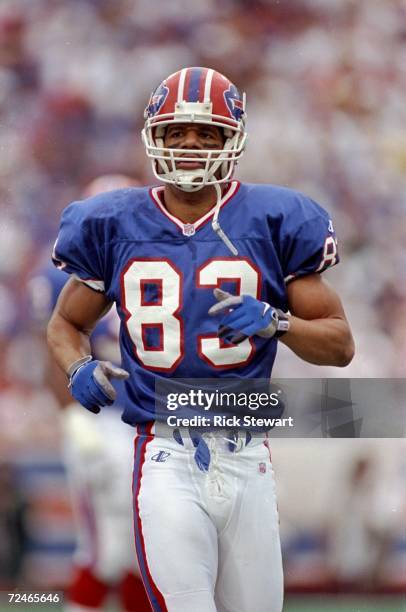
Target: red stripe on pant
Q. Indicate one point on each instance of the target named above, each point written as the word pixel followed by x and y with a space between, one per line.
pixel 142 441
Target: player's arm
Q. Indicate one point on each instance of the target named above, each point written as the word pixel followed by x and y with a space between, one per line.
pixel 318 329
pixel 76 313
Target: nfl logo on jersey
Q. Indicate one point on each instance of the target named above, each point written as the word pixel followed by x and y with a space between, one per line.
pixel 188 229
pixel 262 467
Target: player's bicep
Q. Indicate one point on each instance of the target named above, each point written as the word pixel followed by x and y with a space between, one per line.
pixel 81 306
pixel 311 297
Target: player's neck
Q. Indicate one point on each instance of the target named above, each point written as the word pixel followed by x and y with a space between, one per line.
pixel 189 206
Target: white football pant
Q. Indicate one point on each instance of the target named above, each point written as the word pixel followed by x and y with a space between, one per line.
pixel 207 541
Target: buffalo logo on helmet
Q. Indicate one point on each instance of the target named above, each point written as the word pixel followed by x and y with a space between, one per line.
pixel 234 103
pixel 156 101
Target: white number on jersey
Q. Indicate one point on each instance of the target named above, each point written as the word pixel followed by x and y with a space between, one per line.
pixel 329 254
pixel 211 349
pixel 162 314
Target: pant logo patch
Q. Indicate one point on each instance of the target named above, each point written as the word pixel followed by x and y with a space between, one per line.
pixel 160 457
pixel 262 467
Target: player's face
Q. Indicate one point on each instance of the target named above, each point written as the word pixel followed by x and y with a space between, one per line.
pixel 199 137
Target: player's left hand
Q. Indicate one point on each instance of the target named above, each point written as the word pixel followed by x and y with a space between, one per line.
pixel 245 316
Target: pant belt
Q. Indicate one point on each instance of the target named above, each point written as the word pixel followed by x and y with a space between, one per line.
pixel 235 440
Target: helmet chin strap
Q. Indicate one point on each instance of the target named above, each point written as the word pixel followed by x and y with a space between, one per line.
pixel 189 186
pixel 216 225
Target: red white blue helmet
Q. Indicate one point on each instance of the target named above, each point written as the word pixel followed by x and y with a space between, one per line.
pixel 195 95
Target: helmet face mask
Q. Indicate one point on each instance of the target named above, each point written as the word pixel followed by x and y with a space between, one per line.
pixel 195 96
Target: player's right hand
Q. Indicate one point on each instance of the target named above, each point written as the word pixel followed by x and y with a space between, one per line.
pixel 90 385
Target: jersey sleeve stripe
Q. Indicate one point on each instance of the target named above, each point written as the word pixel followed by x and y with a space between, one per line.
pixel 96 285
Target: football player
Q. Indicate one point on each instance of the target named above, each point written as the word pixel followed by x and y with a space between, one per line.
pixel 98 458
pixel 207 275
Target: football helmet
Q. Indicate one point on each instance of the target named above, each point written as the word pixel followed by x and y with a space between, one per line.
pixel 202 96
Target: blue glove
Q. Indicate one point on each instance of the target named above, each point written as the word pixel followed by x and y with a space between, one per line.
pixel 89 382
pixel 245 316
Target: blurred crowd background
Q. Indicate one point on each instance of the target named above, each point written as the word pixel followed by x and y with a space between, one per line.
pixel 325 85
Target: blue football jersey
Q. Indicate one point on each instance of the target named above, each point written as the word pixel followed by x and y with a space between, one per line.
pixel 44 289
pixel 161 274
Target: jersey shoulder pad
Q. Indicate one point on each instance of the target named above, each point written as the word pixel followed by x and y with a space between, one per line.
pixel 302 231
pixel 89 227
